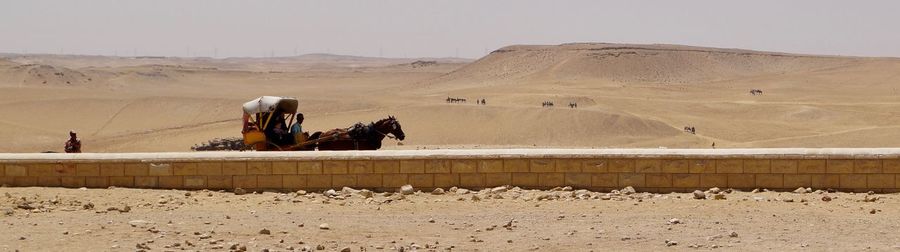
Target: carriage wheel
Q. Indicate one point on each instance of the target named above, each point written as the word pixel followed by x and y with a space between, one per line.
pixel 269 146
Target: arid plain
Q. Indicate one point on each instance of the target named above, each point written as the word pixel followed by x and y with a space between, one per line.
pixel 627 95
pixel 639 96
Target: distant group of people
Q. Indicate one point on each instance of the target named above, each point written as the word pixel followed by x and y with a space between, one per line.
pixel 756 92
pixel 690 129
pixel 456 100
pixel 550 104
pixel 481 101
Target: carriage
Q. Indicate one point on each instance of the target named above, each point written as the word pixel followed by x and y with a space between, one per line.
pixel 264 117
pixel 266 123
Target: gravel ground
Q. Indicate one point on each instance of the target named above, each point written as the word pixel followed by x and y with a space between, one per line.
pixel 498 219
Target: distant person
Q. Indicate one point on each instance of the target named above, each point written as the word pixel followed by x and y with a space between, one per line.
pixel 73 145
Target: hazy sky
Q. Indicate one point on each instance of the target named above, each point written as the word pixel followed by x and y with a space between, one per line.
pixel 419 28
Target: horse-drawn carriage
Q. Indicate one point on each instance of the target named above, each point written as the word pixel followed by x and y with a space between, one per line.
pixel 266 122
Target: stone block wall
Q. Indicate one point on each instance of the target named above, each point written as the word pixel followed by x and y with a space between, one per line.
pixel 646 170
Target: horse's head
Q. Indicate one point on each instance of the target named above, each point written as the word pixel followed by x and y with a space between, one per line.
pixel 391 126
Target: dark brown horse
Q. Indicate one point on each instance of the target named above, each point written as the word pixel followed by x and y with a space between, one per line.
pixel 359 136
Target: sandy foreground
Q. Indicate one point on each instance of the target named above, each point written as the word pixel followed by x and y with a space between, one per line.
pixel 507 219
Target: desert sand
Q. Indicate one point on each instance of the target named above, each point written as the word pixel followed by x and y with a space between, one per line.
pixel 504 219
pixel 627 96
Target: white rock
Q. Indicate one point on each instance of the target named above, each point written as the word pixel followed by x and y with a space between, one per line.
pixel 139 223
pixel 407 189
pixel 324 226
pixel 699 194
pixel 627 190
pixel 437 191
pixel 499 189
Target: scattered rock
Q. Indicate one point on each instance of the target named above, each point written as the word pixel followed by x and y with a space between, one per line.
pixel 670 243
pixel 265 231
pixel 714 190
pixel 438 191
pixel 320 247
pixel 499 189
pixel 870 199
pixel 733 234
pixel 239 191
pixel 719 196
pixel 324 226
pixel 627 190
pixel 407 190
pixel 674 221
pixel 699 194
pixel 801 190
pixel 139 223
pixel 345 249
pixel 366 193
pixel 509 224
pixel 826 198
pixel 330 193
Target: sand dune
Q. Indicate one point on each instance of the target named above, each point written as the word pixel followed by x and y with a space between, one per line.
pixel 627 96
pixel 623 63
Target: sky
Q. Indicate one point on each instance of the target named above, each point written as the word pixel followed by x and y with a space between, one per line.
pixel 438 28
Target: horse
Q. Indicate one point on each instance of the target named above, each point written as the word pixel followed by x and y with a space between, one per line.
pixel 359 136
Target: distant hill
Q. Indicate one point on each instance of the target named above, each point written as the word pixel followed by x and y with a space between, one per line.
pixel 636 63
pixel 292 63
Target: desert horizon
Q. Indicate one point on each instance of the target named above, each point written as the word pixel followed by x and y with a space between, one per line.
pixel 628 96
pixel 522 125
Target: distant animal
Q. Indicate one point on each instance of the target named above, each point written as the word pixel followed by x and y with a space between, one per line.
pixel 359 136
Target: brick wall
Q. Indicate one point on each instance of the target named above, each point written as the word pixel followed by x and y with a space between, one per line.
pixel 646 170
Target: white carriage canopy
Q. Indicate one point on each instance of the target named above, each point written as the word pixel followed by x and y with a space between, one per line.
pixel 266 104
